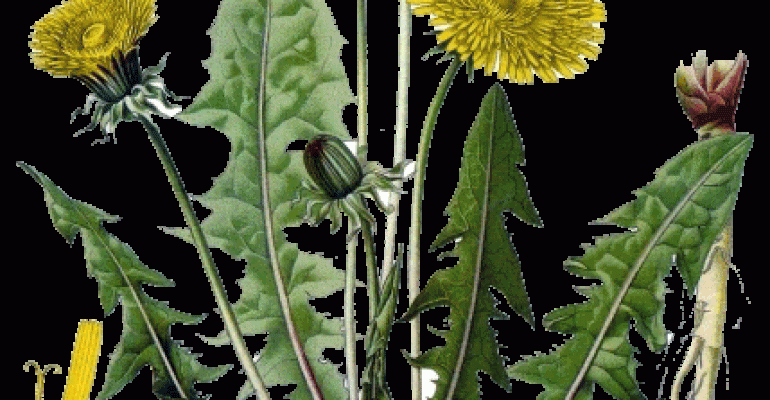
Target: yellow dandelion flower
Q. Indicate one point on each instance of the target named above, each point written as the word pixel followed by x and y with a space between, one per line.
pixel 96 42
pixel 78 37
pixel 515 38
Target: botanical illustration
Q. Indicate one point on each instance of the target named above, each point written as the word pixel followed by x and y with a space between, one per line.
pixel 684 214
pixel 276 92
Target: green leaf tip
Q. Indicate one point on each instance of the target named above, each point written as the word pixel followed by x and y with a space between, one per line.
pixel 489 184
pixel 67 225
pixel 506 181
pixel 120 274
pixel 680 213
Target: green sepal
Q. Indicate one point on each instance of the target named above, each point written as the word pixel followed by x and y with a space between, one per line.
pixel 437 49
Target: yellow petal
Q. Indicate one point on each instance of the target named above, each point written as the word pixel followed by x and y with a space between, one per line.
pixel 85 356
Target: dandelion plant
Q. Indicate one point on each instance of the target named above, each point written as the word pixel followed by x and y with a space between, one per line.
pixel 97 44
pixel 500 37
pixel 275 93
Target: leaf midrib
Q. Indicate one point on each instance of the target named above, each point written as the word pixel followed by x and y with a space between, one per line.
pixel 479 256
pixel 280 281
pixel 101 234
pixel 637 266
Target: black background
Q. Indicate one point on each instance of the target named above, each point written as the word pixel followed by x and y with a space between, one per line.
pixel 589 142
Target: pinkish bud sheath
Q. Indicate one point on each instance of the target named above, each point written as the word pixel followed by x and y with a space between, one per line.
pixel 709 93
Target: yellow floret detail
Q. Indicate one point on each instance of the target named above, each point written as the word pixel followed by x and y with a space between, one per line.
pixel 85 356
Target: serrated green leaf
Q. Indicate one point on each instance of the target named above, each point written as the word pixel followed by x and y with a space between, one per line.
pixel 490 183
pixel 304 90
pixel 120 274
pixel 679 213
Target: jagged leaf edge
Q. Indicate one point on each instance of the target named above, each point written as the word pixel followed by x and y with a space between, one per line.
pixel 227 103
pixel 87 220
pixel 556 370
pixel 507 148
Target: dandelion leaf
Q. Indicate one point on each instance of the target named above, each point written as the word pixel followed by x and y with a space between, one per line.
pixel 490 183
pixel 680 213
pixel 302 87
pixel 120 274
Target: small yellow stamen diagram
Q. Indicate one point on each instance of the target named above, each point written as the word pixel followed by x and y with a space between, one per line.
pixel 82 371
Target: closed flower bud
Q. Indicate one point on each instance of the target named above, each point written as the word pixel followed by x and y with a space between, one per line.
pixel 709 93
pixel 332 166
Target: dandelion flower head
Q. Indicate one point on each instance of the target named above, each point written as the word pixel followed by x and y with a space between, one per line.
pixel 515 38
pixel 78 36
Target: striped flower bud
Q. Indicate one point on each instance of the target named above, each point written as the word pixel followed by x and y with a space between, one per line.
pixel 332 166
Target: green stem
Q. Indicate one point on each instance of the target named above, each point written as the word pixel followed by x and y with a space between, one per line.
pixel 415 228
pixel 373 289
pixel 350 268
pixel 377 370
pixel 350 330
pixel 399 145
pixel 372 283
pixel 233 331
pixel 361 88
pixel 361 77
